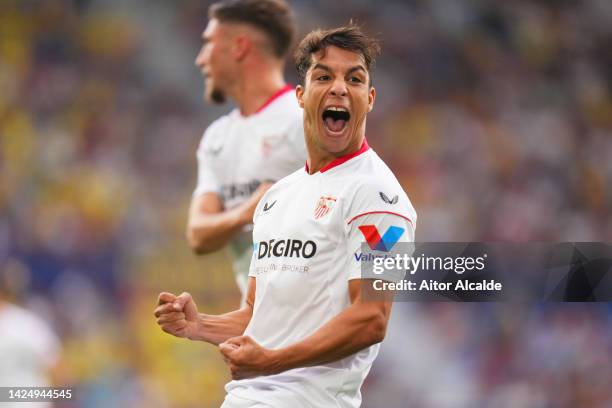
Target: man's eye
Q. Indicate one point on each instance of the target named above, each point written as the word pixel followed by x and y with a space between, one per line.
pixel 355 79
pixel 323 78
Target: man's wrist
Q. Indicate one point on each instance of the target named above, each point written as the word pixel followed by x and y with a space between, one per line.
pixel 242 216
pixel 196 330
pixel 279 361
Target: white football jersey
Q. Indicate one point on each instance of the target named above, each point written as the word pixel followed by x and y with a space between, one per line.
pixel 29 348
pixel 238 153
pixel 308 234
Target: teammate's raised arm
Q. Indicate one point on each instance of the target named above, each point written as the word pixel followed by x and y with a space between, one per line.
pixel 210 228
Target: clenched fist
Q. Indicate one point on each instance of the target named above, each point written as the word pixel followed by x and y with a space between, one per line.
pixel 177 315
pixel 245 358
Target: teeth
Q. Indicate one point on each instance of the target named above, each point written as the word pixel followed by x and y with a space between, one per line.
pixel 337 109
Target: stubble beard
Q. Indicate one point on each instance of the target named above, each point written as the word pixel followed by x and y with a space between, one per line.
pixel 212 93
pixel 215 96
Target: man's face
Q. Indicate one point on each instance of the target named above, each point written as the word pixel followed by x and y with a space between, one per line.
pixel 336 97
pixel 214 60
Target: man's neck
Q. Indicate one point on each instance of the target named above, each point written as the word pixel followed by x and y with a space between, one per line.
pixel 319 158
pixel 255 87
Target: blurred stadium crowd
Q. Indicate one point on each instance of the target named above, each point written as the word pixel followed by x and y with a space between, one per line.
pixel 495 116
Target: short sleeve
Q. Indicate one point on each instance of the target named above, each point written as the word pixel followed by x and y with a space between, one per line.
pixel 207 181
pixel 377 196
pixel 380 216
pixel 378 232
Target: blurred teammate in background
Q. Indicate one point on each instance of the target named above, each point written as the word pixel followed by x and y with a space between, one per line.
pixel 29 348
pixel 305 337
pixel 259 142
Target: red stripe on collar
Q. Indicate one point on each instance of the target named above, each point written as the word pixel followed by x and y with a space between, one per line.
pixel 342 159
pixel 275 96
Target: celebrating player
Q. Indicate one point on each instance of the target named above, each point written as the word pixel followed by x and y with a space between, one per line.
pixel 307 337
pixel 259 142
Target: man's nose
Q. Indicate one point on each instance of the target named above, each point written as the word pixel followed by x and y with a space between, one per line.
pixel 200 61
pixel 338 88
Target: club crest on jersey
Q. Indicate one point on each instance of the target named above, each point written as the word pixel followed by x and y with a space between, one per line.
pixel 324 206
pixel 268 143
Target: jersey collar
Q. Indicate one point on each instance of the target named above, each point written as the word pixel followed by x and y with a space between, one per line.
pixel 342 159
pixel 275 96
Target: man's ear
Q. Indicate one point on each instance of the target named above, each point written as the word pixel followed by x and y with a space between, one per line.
pixel 371 98
pixel 241 47
pixel 299 93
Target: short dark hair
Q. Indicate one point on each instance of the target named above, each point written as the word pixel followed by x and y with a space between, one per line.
pixel 349 37
pixel 272 17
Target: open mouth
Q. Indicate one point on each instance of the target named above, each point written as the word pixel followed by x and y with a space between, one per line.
pixel 335 119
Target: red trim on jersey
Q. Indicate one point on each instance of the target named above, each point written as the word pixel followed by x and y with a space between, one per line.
pixel 274 96
pixel 338 161
pixel 380 212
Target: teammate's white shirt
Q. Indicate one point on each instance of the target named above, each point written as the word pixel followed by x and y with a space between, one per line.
pixel 307 243
pixel 238 153
pixel 28 348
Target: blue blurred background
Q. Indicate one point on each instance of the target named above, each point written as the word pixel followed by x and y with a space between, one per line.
pixel 495 116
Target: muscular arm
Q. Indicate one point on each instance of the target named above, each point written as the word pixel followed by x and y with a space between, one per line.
pixel 217 329
pixel 178 315
pixel 210 227
pixel 360 325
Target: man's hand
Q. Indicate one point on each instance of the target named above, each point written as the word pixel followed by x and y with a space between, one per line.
pixel 247 359
pixel 177 315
